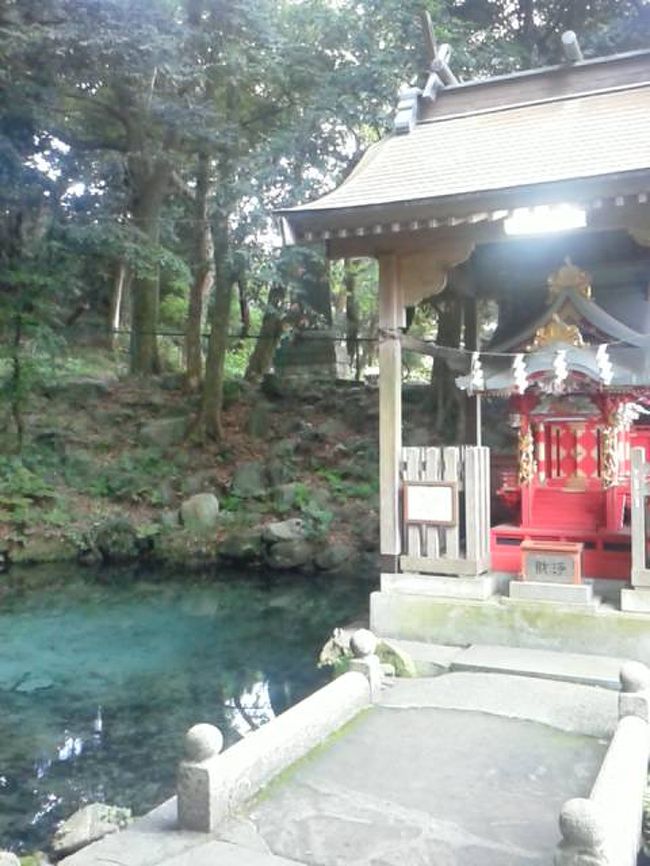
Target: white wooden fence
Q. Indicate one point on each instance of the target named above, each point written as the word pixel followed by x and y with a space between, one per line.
pixel 464 547
pixel 640 492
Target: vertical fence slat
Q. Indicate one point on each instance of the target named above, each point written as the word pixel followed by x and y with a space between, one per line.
pixel 472 504
pixel 452 473
pixel 469 468
pixel 485 502
pixel 433 459
pixel 412 473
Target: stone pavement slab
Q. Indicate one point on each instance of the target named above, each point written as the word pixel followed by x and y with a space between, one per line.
pixel 423 786
pixel 215 853
pixel 546 664
pixel 566 706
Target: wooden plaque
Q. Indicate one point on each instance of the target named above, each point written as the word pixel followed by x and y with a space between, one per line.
pixel 431 502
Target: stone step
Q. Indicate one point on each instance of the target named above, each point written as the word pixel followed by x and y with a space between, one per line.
pixel 594 670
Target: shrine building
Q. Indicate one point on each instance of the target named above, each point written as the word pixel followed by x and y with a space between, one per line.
pixel 529 193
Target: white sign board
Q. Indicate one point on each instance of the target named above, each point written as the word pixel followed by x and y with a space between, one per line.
pixel 430 502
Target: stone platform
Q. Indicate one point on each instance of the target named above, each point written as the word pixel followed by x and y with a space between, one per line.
pixel 408 614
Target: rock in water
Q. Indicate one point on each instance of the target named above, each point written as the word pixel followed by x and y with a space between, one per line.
pixel 289 554
pixel 244 546
pixel 200 512
pixel 334 556
pixel 87 825
pixel 117 540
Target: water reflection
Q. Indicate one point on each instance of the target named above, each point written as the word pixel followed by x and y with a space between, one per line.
pixel 99 684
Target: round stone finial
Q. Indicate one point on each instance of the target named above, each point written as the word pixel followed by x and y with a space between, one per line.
pixel 363 643
pixel 582 824
pixel 202 741
pixel 635 677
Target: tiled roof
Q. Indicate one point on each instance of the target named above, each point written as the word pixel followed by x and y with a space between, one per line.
pixel 582 136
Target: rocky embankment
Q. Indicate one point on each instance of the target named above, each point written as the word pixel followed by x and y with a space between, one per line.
pixel 113 472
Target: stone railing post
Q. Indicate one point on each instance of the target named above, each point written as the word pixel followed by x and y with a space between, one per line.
pixel 584 835
pixel 213 784
pixel 634 697
pixel 202 742
pixel 363 644
pixel 605 829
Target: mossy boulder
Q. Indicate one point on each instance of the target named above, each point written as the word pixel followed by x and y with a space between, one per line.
pixel 200 512
pixel 187 550
pixel 334 556
pixel 391 654
pixel 289 554
pixel 242 547
pixel 43 548
pixel 117 540
pixel 249 480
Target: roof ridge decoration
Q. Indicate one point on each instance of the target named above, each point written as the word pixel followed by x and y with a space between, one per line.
pixel 439 76
pixel 569 277
pixel 557 331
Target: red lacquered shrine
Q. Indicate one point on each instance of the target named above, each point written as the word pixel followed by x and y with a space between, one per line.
pixel 578 381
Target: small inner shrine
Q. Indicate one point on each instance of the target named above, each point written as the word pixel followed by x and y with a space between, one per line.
pixel 577 382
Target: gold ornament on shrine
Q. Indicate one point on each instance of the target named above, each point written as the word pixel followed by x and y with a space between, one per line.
pixel 527 465
pixel 569 278
pixel 557 331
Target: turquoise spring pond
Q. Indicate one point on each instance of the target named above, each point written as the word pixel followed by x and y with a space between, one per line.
pixel 99 680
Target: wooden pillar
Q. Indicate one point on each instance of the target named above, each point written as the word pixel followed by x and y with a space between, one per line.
pixel 391 317
pixel 473 401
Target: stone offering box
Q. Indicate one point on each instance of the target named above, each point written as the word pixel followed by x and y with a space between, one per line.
pixel 551 561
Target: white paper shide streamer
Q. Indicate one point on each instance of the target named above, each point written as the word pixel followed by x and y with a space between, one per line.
pixel 560 370
pixel 519 373
pixel 476 375
pixel 605 368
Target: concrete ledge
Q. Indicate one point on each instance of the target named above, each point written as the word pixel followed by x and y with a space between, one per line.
pixel 212 788
pixel 589 670
pixel 569 628
pixel 564 593
pixel 444 587
pixel 635 600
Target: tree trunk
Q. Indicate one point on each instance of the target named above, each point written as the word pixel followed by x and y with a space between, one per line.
pixel 351 318
pixel 203 275
pixel 445 394
pixel 120 281
pixel 261 358
pixel 212 401
pixel 150 186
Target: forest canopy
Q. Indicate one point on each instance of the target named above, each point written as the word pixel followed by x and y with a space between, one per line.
pixel 144 145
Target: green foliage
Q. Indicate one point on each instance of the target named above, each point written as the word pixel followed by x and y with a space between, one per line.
pixel 317 519
pixel 21 490
pixel 133 477
pixel 343 488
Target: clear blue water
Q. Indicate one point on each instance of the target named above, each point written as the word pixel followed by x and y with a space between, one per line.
pixel 100 681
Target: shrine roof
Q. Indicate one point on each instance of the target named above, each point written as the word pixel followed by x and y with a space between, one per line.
pixel 630 368
pixel 583 310
pixel 499 143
